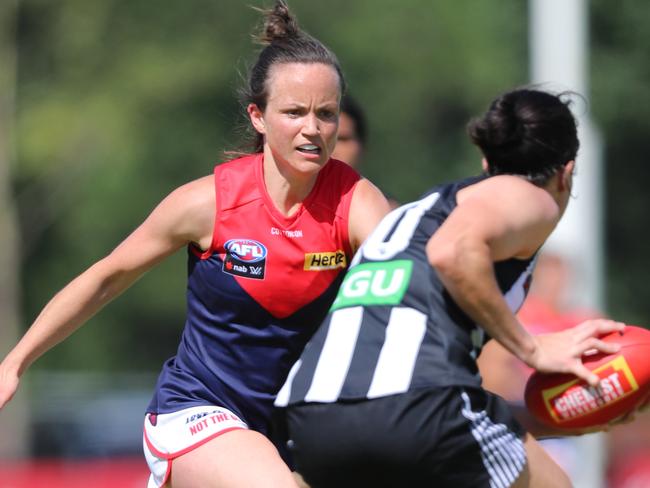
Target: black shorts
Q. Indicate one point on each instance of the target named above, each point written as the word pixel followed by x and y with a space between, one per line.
pixel 451 436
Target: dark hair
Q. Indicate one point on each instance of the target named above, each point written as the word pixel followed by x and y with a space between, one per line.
pixel 351 107
pixel 284 43
pixel 527 132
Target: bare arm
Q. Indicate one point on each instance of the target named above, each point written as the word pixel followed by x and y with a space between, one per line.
pixel 368 207
pixel 186 215
pixel 500 218
pixel 502 373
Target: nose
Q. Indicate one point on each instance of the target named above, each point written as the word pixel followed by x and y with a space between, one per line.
pixel 311 126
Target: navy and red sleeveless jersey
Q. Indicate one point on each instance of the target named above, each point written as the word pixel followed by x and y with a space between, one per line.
pixel 256 296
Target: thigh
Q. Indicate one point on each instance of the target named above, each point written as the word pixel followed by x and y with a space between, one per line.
pixel 240 458
pixel 169 435
pixel 541 470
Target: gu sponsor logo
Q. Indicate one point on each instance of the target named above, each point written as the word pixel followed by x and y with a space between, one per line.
pixel 320 261
pixel 381 283
pixel 578 398
pixel 245 257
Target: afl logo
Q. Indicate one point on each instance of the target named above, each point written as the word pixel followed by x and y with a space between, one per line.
pixel 246 250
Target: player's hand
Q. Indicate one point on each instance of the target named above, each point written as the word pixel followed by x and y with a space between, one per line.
pixel 561 352
pixel 8 384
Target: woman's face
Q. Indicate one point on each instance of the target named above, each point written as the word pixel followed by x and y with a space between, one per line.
pixel 300 120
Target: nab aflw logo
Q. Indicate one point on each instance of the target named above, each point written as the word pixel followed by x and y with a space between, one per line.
pixel 245 257
pixel 381 283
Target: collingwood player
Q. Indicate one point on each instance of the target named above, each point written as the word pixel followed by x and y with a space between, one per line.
pixel 387 393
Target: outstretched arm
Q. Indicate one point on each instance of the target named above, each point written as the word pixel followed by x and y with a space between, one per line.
pixel 186 215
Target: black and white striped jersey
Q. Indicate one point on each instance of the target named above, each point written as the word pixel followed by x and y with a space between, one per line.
pixel 393 327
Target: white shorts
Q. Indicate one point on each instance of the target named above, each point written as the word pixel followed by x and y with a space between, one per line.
pixel 167 436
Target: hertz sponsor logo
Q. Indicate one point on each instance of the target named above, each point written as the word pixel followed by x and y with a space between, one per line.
pixel 320 261
pixel 577 398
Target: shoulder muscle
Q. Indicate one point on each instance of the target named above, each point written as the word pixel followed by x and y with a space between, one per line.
pixel 510 215
pixel 185 215
pixel 368 207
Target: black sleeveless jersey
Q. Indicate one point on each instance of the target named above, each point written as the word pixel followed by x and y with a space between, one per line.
pixel 393 326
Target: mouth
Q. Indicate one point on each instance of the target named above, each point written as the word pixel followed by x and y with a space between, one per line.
pixel 309 149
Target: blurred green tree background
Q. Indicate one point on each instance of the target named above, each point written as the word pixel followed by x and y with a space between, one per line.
pixel 120 101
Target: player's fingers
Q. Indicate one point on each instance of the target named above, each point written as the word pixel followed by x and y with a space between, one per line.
pixel 597 327
pixel 8 387
pixel 592 345
pixel 585 374
pixel 4 398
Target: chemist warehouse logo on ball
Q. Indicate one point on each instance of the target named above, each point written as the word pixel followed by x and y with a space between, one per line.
pixel 577 398
pixel 246 258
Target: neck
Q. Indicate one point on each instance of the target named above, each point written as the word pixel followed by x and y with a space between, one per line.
pixel 287 189
pixel 560 193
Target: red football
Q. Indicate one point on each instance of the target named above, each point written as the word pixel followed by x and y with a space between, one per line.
pixel 565 402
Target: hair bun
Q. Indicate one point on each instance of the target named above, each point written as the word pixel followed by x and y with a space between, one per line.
pixel 501 126
pixel 279 24
pixel 527 132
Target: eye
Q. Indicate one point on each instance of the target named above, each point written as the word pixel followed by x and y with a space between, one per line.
pixel 328 114
pixel 292 111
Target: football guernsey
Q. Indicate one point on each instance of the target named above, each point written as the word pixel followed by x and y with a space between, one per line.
pixel 257 294
pixel 393 326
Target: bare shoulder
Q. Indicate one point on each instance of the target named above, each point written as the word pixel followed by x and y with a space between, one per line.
pixel 366 193
pixel 195 192
pixel 368 207
pixel 511 183
pixel 190 210
pixel 511 215
pixel 512 193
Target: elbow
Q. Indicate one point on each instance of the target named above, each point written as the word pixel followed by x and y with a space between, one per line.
pixel 107 280
pixel 456 259
pixel 443 259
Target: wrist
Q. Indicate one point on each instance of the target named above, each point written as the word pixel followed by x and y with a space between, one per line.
pixel 12 365
pixel 528 349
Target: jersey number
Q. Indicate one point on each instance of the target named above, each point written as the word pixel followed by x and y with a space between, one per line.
pixel 404 220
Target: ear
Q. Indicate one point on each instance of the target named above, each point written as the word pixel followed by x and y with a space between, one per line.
pixel 257 118
pixel 566 176
pixel 484 164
